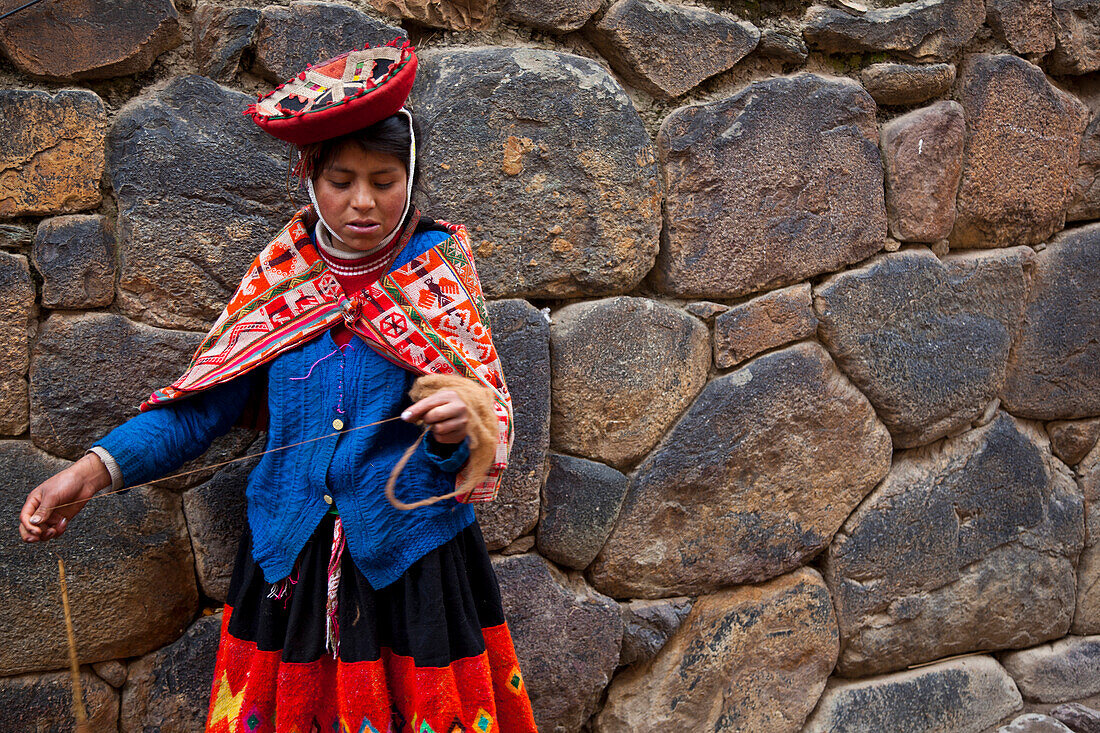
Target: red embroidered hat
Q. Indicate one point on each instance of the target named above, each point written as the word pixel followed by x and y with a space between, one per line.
pixel 338 96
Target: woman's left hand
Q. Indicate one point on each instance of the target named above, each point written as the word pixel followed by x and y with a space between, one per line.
pixel 445 412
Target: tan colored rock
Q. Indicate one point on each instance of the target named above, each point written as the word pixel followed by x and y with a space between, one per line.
pixel 1023 138
pixel 1026 25
pixel 90 39
pixel 1034 723
pixel 1077 37
pixel 51 151
pixel 957 696
pixel 1064 670
pixel 457 15
pixel 968 544
pixel 16 322
pixel 922 151
pixel 1086 617
pixel 905 84
pixel 622 369
pixel 1071 440
pixel 765 322
pixel 1086 199
pixel 753 658
pixel 754 479
pixel 668 50
pixel 44 703
pixel 112 671
pixel 552 16
pixel 780 182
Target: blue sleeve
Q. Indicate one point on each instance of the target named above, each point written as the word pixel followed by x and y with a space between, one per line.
pixel 448 457
pixel 153 443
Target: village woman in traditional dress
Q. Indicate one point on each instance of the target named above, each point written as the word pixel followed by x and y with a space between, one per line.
pixel 349 610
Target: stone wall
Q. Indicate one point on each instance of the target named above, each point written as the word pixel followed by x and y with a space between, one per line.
pixel 800 307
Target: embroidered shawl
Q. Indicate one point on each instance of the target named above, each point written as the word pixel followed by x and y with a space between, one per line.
pixel 427 316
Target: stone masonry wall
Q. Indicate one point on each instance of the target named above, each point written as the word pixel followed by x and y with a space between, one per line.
pixel 800 306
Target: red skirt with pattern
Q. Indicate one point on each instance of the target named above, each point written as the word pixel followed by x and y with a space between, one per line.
pixel 430 653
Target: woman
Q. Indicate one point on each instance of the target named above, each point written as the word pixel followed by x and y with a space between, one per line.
pixel 346 611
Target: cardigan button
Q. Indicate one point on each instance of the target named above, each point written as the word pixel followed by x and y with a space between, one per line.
pixel 338 424
pixel 328 499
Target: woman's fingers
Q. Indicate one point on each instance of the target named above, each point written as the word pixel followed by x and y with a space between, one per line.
pixel 445 412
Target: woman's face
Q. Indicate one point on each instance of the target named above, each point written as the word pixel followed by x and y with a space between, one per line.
pixel 361 194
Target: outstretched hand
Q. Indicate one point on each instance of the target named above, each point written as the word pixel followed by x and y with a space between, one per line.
pixel 443 411
pixel 40 519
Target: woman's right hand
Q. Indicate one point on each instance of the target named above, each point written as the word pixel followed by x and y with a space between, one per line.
pixel 40 520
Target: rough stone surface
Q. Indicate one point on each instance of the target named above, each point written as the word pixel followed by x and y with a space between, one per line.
pixel 552 16
pixel 1034 723
pixel 922 151
pixel 76 257
pixel 112 671
pixel 747 659
pixel 765 322
pixel 543 155
pixel 780 182
pixel 522 338
pixel 753 480
pixel 1023 137
pixel 622 369
pixel 1026 25
pixel 16 313
pixel 1082 718
pixel 905 84
pixel 1086 199
pixel 81 388
pixel 706 311
pixel 116 551
pixel 216 518
pixel 1067 669
pixel 926 30
pixel 39 703
pixel 566 635
pixel 1071 440
pixel 91 39
pixel 13 236
pixel 1052 374
pixel 968 544
pixel 220 37
pixel 647 626
pixel 51 151
pixel 786 47
pixel 958 696
pixel 289 38
pixel 458 15
pixel 668 50
pixel 580 502
pixel 1086 617
pixel 1077 37
pixel 898 326
pixel 184 246
pixel 169 690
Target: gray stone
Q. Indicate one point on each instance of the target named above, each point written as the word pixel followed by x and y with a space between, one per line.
pixel 1025 25
pixel 13 236
pixel 1071 440
pixel 905 84
pixel 522 339
pixel 1077 37
pixel 112 671
pixel 220 37
pixel 668 50
pixel 169 690
pixel 51 151
pixel 552 16
pixel 1086 198
pixel 898 325
pixel 44 703
pixel 765 322
pixel 192 213
pixel 647 626
pixel 752 482
pixel 1023 137
pixel 1052 373
pixel 290 38
pixel 16 324
pixel 128 565
pixel 1067 669
pixel 968 544
pixel 1086 617
pixel 926 30
pixel 745 659
pixel 622 370
pixel 786 47
pixel 580 503
pixel 76 257
pixel 92 39
pixel 577 211
pixel 456 15
pixel 1034 723
pixel 1079 718
pixel 91 371
pixel 957 696
pixel 774 185
pixel 922 151
pixel 566 635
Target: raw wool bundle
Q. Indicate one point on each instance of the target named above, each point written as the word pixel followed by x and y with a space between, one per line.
pixel 481 433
